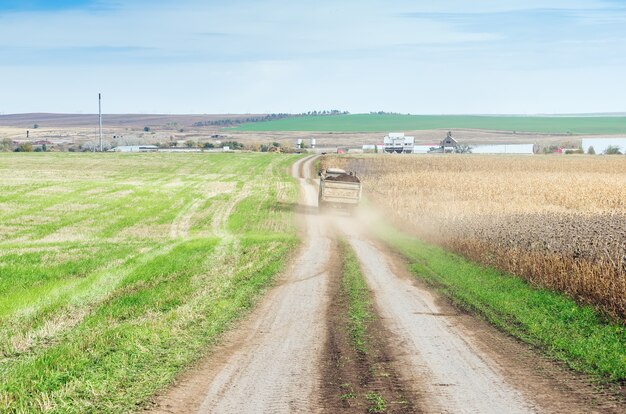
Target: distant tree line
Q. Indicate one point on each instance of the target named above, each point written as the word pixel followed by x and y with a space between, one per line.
pixel 271 117
pixel 386 113
pixel 323 113
pixel 237 121
pixel 233 145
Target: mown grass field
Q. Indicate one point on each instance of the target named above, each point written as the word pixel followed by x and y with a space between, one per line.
pixel 118 271
pixel 386 123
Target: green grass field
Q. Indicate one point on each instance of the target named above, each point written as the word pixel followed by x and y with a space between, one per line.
pixel 387 123
pixel 118 271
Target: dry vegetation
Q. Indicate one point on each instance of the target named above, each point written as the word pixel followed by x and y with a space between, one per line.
pixel 560 222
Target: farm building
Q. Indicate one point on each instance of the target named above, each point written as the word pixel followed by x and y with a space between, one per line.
pixel 449 144
pixel 504 149
pixel 600 145
pixel 135 148
pixel 397 142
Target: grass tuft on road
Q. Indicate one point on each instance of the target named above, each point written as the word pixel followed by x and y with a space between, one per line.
pixel 577 335
pixel 355 289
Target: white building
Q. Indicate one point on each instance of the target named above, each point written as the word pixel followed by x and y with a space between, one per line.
pixel 135 148
pixel 600 145
pixel 504 149
pixel 397 142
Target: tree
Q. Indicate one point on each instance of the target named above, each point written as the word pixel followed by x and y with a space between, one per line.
pixel 233 145
pixel 254 147
pixel 463 149
pixel 612 150
pixel 6 145
pixel 591 151
pixel 190 143
pixel 35 126
pixel 146 129
pixel 208 145
pixel 551 149
pixel 24 147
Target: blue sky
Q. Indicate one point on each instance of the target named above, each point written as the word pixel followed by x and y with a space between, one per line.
pixel 189 56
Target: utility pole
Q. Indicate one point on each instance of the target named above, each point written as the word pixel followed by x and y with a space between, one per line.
pixel 100 119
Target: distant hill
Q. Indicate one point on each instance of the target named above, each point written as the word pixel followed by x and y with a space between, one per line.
pixel 46 120
pixel 608 124
pixel 552 124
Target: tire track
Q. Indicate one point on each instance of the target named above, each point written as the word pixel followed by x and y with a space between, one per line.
pixel 453 375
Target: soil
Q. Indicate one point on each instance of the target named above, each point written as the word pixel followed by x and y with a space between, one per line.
pixel 49 120
pixel 351 375
pixel 344 178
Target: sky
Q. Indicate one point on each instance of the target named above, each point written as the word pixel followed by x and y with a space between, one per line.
pixel 244 56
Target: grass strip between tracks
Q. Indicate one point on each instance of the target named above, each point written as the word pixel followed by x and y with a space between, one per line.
pixel 360 311
pixel 361 378
pixel 577 335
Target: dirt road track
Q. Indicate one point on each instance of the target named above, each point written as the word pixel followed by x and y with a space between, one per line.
pixel 453 376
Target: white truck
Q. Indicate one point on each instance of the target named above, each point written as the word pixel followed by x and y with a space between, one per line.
pixel 339 189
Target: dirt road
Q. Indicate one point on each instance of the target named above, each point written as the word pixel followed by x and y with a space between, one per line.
pixel 271 363
pixel 450 362
pixel 448 369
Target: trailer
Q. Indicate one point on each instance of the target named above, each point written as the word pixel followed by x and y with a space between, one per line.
pixel 339 189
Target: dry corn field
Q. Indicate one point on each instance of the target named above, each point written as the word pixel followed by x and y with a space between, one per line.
pixel 559 222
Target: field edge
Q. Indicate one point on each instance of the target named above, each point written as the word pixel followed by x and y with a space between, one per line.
pixel 578 336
